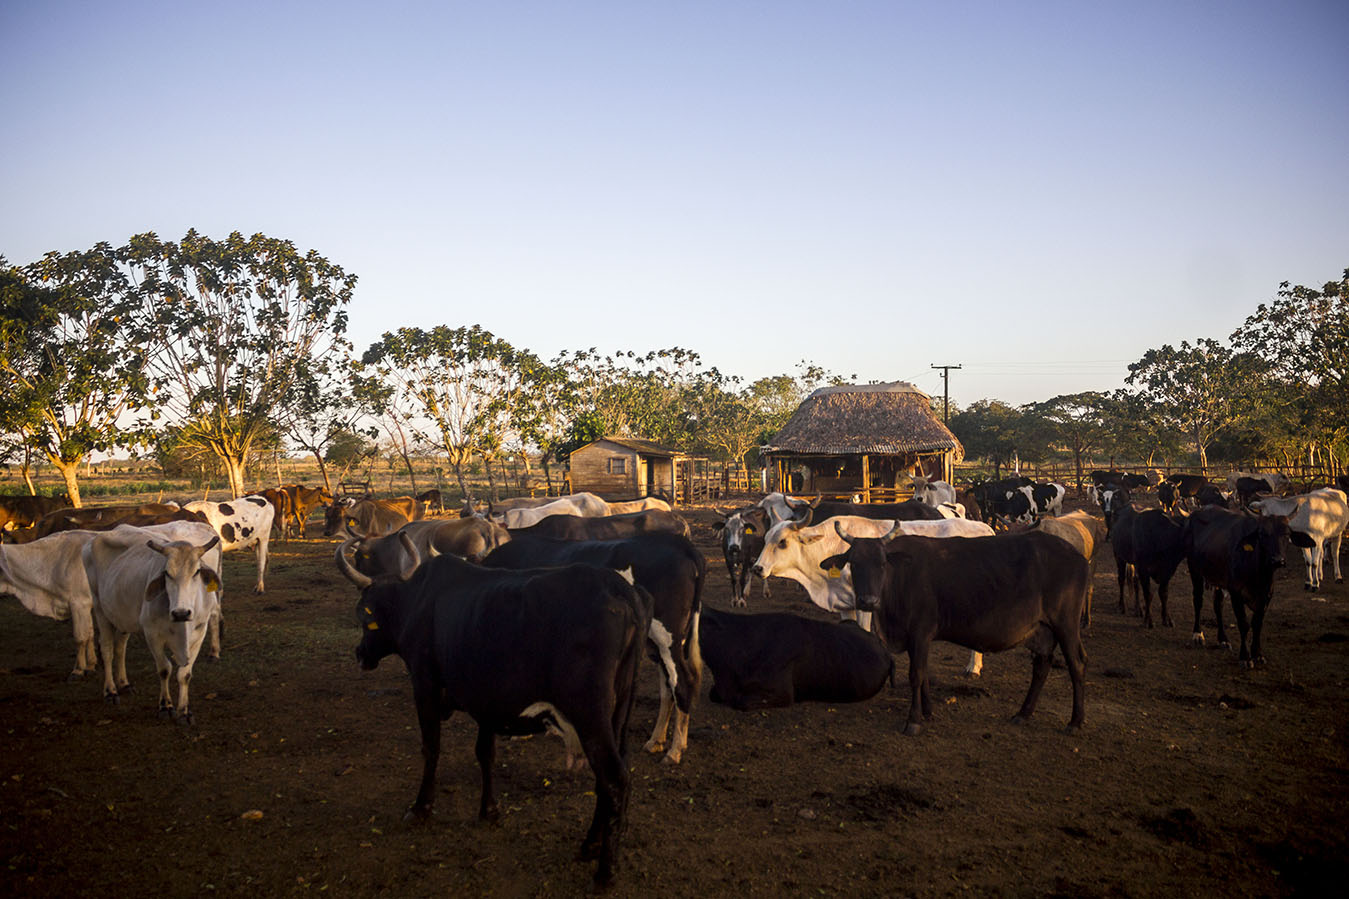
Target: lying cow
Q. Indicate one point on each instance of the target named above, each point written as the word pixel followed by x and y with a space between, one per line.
pixel 578 504
pixel 24 511
pixel 518 651
pixel 775 659
pixel 1240 554
pixel 673 571
pixel 370 517
pixel 169 590
pixel 1316 520
pixel 985 593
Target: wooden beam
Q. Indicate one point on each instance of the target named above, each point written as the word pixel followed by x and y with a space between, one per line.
pixel 866 478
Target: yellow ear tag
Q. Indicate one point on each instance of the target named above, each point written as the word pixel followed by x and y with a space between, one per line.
pixel 368 610
pixel 749 529
pixel 372 626
pixel 836 572
pixel 1247 548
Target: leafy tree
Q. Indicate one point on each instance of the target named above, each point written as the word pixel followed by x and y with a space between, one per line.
pixel 462 380
pixel 989 429
pixel 347 449
pixel 1075 421
pixel 320 409
pixel 1200 389
pixel 729 421
pixel 546 414
pixel 1136 428
pixel 231 325
pixel 68 373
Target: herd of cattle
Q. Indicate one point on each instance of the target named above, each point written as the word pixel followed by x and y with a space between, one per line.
pixel 532 615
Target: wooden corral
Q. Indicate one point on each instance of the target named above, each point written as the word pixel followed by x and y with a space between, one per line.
pixel 867 440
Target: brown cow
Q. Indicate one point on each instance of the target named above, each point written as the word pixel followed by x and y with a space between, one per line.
pixel 280 501
pixel 303 501
pixel 24 511
pixel 370 517
pixel 90 518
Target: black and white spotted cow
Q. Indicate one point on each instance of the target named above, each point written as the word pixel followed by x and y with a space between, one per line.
pixel 242 522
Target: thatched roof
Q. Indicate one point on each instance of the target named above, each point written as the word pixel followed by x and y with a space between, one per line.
pixel 871 419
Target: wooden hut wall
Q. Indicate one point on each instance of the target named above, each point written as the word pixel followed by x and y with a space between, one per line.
pixel 593 471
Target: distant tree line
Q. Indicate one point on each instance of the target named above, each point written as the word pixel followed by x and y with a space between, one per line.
pixel 215 355
pixel 1277 389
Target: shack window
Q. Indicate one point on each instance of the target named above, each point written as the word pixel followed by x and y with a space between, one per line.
pixel 618 465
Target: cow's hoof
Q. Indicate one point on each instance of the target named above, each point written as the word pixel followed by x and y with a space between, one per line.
pixel 112 698
pixel 1339 580
pixel 125 688
pixel 186 719
pixel 259 590
pixel 654 746
pixel 1018 719
pixel 671 758
pixel 1072 729
pixel 739 604
pixel 166 712
pixel 490 815
pixel 912 729
pixel 1223 644
pixel 74 676
pixel 214 658
pixel 418 815
pixel 1147 623
pixel 1196 639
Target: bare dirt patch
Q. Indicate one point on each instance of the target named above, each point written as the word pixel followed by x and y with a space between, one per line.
pixel 1192 776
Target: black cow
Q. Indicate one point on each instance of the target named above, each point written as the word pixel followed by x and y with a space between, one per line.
pixel 1187 485
pixel 909 510
pixel 520 651
pixel 1103 478
pixel 775 659
pixel 742 535
pixel 1251 489
pixel 1209 495
pixel 608 527
pixel 673 571
pixel 1342 481
pixel 1151 545
pixel 431 500
pixel 1237 553
pixel 984 593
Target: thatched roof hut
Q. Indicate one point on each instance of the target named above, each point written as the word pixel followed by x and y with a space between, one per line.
pixel 866 439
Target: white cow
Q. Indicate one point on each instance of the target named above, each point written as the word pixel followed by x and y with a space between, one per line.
pixel 1314 520
pixel 168 589
pixel 47 577
pixel 795 551
pixel 1276 480
pixel 242 522
pixel 933 493
pixel 587 505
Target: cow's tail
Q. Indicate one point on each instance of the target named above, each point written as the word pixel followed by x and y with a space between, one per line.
pixel 692 644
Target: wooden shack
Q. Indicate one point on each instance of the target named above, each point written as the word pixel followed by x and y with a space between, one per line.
pixel 866 440
pixel 619 468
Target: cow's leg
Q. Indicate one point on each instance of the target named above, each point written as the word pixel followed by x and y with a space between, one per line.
pixel 1041 645
pixel 1335 554
pixel 1239 612
pixel 1197 584
pixel 485 749
pixel 82 626
pixel 1313 580
pixel 1163 587
pixel 213 633
pixel 1121 575
pixel 975 665
pixel 1218 617
pixel 163 668
pixel 919 705
pixel 657 741
pixel 261 586
pixel 1146 583
pixel 611 794
pixel 428 717
pixel 1257 629
pixel 1075 659
pixel 108 638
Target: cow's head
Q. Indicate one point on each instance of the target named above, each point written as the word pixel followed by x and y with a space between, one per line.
pixel 185 581
pixel 785 548
pixel 335 516
pixel 1260 550
pixel 870 569
pixel 376 611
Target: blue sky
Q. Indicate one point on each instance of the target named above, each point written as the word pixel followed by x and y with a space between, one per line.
pixel 1039 192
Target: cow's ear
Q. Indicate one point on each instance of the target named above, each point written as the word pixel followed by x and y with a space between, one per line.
pixel 717 526
pixel 154 588
pixel 210 579
pixel 833 566
pixel 811 538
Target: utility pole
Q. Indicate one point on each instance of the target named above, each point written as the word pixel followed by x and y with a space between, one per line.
pixel 946 390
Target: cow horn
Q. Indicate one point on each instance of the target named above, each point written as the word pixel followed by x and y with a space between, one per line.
pixel 346 568
pixel 838 529
pixel 411 548
pixel 889 536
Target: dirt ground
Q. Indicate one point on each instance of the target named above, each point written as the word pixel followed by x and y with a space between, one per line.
pixel 1191 777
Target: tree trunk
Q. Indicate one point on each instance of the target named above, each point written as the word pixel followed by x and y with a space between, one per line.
pixel 547 473
pixel 236 469
pixel 70 472
pixel 323 470
pixel 28 469
pixel 491 479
